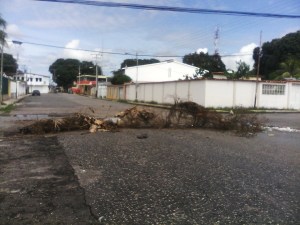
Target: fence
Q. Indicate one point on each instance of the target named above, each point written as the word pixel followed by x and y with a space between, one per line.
pixel 213 93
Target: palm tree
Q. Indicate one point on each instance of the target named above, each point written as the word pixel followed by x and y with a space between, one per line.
pixel 289 69
pixel 2 42
pixel 2 33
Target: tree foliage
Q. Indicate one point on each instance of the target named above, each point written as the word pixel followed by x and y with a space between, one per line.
pixel 9 64
pixel 276 52
pixel 133 62
pixel 290 68
pixel 212 63
pixel 2 32
pixel 89 68
pixel 65 71
pixel 243 70
pixel 119 79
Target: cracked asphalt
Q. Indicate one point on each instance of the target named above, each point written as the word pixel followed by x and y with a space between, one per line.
pixel 187 177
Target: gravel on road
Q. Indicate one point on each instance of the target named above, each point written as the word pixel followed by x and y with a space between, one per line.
pixel 187 176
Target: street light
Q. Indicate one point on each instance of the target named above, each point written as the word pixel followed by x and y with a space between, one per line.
pixel 17 43
pixel 1 71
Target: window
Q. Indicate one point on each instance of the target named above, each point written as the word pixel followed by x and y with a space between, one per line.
pixel 273 89
pixel 40 79
pixel 31 79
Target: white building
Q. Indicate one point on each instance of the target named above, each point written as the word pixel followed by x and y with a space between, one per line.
pixel 169 70
pixel 34 82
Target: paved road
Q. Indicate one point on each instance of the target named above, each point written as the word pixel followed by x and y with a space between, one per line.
pixel 172 176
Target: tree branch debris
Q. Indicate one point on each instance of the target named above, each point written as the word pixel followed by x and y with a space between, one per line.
pixel 180 115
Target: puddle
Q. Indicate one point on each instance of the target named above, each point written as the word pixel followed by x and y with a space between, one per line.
pixel 31 117
pixel 282 129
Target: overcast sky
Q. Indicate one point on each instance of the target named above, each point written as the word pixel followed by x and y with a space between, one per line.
pixel 137 31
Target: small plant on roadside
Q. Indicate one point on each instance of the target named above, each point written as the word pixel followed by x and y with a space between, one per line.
pixel 7 109
pixel 122 101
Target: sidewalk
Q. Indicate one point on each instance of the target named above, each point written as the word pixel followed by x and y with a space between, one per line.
pixel 12 101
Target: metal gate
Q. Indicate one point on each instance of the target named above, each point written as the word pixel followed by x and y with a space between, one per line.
pixel 4 86
pixel 295 96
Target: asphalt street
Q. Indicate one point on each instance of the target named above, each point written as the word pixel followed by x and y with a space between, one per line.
pixel 171 176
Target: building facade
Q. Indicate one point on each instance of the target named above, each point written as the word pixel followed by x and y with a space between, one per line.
pixel 34 82
pixel 169 70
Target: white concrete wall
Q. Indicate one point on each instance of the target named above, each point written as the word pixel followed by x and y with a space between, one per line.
pixel 196 91
pixel 216 93
pixel 244 93
pixel 102 90
pixel 158 72
pixel 43 89
pixel 294 97
pixel 273 101
pixel 17 88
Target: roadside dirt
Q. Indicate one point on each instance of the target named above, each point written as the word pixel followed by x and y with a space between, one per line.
pixel 38 185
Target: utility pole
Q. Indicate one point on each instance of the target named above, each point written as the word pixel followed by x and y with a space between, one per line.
pixel 257 70
pixel 17 43
pixel 96 55
pixel 136 78
pixel 1 72
pixel 79 73
pixel 216 40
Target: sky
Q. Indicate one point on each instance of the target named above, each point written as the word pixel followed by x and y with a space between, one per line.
pixel 139 32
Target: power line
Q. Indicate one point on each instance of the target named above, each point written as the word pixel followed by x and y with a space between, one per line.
pixel 174 9
pixel 120 53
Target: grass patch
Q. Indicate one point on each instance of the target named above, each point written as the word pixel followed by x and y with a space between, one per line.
pixel 122 101
pixel 153 102
pixel 8 108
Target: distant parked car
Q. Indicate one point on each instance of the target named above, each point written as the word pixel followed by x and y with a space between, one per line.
pixel 36 93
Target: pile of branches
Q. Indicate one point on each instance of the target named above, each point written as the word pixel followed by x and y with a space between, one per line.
pixel 74 122
pixel 190 114
pixel 181 114
pixel 139 118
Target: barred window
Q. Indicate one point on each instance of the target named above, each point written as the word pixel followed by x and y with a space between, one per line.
pixel 273 89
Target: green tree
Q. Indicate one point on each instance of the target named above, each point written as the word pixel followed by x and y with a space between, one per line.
pixel 2 32
pixel 212 63
pixel 119 78
pixel 133 62
pixel 65 71
pixel 89 68
pixel 290 68
pixel 276 52
pixel 243 70
pixel 9 64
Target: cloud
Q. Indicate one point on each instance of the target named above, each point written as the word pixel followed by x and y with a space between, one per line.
pixel 203 50
pixel 13 31
pixel 73 54
pixel 245 55
pixel 104 60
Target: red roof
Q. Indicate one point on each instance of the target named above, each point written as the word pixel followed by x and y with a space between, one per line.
pixel 87 82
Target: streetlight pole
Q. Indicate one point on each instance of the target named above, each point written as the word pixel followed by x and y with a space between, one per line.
pixel 136 78
pixel 96 77
pixel 17 43
pixel 257 71
pixel 1 72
